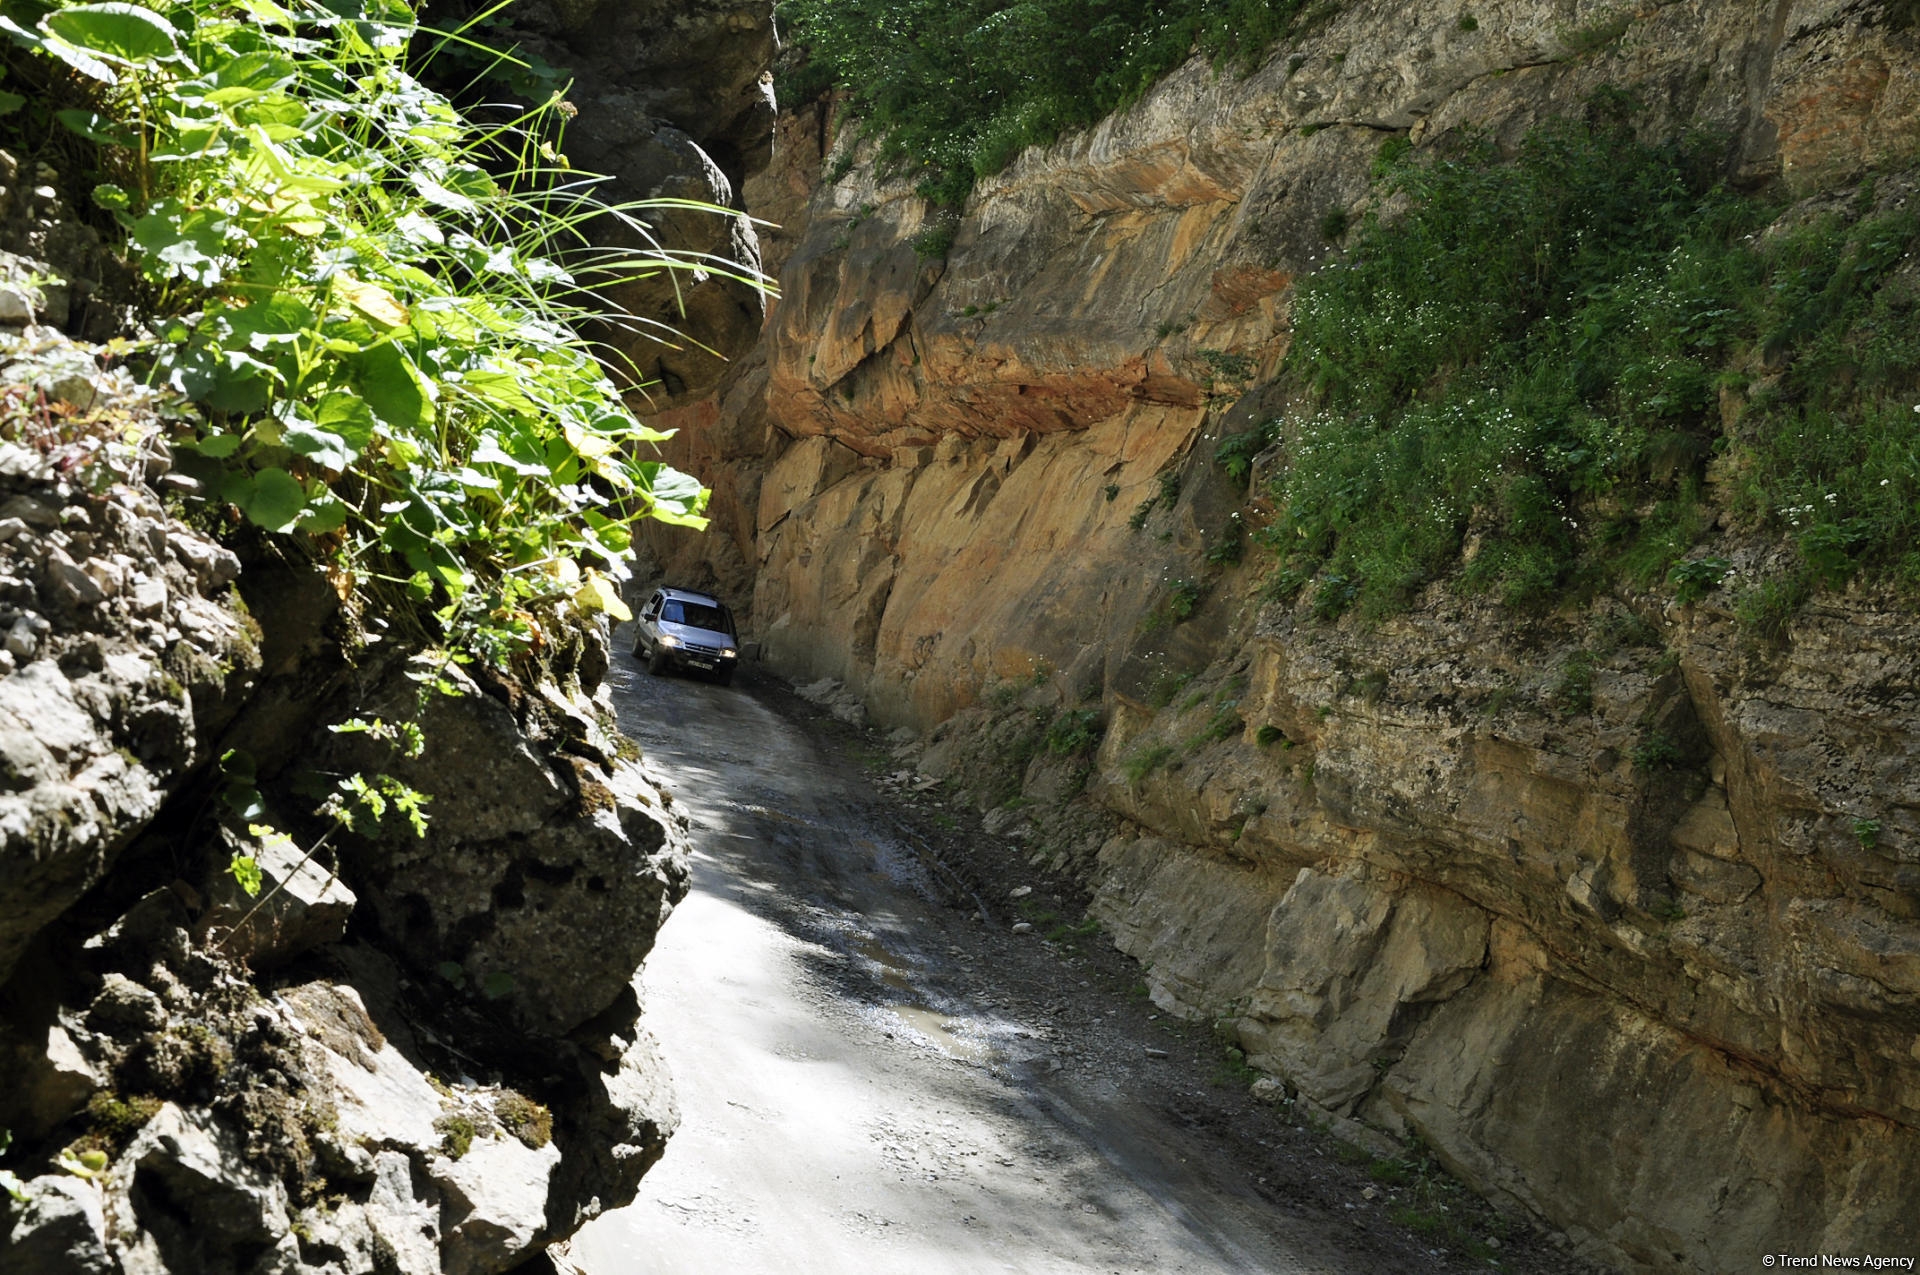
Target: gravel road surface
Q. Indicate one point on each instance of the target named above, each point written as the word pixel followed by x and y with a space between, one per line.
pixel 872 1079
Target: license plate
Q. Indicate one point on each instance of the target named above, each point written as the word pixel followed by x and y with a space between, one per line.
pixel 707 664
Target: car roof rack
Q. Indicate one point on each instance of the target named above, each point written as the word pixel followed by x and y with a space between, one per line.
pixel 689 595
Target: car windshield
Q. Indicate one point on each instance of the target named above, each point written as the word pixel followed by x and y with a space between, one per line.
pixel 696 615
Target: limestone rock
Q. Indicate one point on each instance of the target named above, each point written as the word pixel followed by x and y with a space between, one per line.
pixel 301 905
pixel 495 1203
pixel 185 1198
pixel 56 1081
pixel 405 1224
pixel 96 722
pixel 60 1230
pixel 540 896
pixel 381 1099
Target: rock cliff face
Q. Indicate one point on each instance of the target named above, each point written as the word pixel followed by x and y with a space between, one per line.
pixel 1618 913
pixel 404 1050
pixel 400 1053
pixel 673 102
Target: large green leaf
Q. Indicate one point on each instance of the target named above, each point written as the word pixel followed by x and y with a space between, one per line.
pixel 393 388
pixel 272 499
pixel 678 499
pixel 323 447
pixel 337 435
pixel 114 32
pixel 184 243
pixel 228 380
pixel 96 127
pixel 346 415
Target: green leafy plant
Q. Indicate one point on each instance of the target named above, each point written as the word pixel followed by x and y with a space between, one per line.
pixel 1183 599
pixel 955 90
pixel 374 303
pixel 1766 611
pixel 1075 731
pixel 1231 546
pixel 1867 833
pixel 1655 752
pixel 1236 452
pixel 933 241
pixel 1224 366
pixel 1573 693
pixel 1694 579
pixel 1529 358
pixel 1144 761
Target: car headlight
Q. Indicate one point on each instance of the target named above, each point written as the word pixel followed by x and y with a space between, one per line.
pixel 728 653
pixel 668 639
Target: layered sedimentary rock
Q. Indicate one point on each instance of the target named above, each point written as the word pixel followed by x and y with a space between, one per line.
pixel 1635 947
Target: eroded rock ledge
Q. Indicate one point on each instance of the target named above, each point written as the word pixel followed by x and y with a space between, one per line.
pixel 1637 947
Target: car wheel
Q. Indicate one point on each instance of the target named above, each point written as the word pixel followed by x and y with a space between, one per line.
pixel 639 644
pixel 724 677
pixel 657 662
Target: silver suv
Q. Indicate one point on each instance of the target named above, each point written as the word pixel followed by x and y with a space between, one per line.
pixel 679 628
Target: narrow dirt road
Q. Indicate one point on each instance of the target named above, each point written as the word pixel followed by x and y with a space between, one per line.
pixel 873 1082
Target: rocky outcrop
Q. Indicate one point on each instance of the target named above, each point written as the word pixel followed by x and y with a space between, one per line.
pixel 397 1052
pixel 1613 909
pixel 124 653
pixel 673 102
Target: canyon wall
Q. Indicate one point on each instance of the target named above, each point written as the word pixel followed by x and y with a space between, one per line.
pixel 318 944
pixel 1434 871
pixel 401 1053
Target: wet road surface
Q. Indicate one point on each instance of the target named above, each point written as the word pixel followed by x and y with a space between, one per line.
pixel 844 1108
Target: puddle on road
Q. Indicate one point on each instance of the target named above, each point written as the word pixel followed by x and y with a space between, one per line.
pixel 893 970
pixel 941 1030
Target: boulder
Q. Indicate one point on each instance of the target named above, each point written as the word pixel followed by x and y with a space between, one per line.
pixel 300 905
pixel 59 1229
pixel 184 1197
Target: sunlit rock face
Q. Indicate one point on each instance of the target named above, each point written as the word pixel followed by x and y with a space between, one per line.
pixel 1667 1002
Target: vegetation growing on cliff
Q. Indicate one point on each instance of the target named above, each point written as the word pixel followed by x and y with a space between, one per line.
pixel 1532 370
pixel 370 298
pixel 957 88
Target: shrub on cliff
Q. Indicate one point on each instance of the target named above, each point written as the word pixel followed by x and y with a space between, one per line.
pixel 957 88
pixel 370 298
pixel 1530 369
